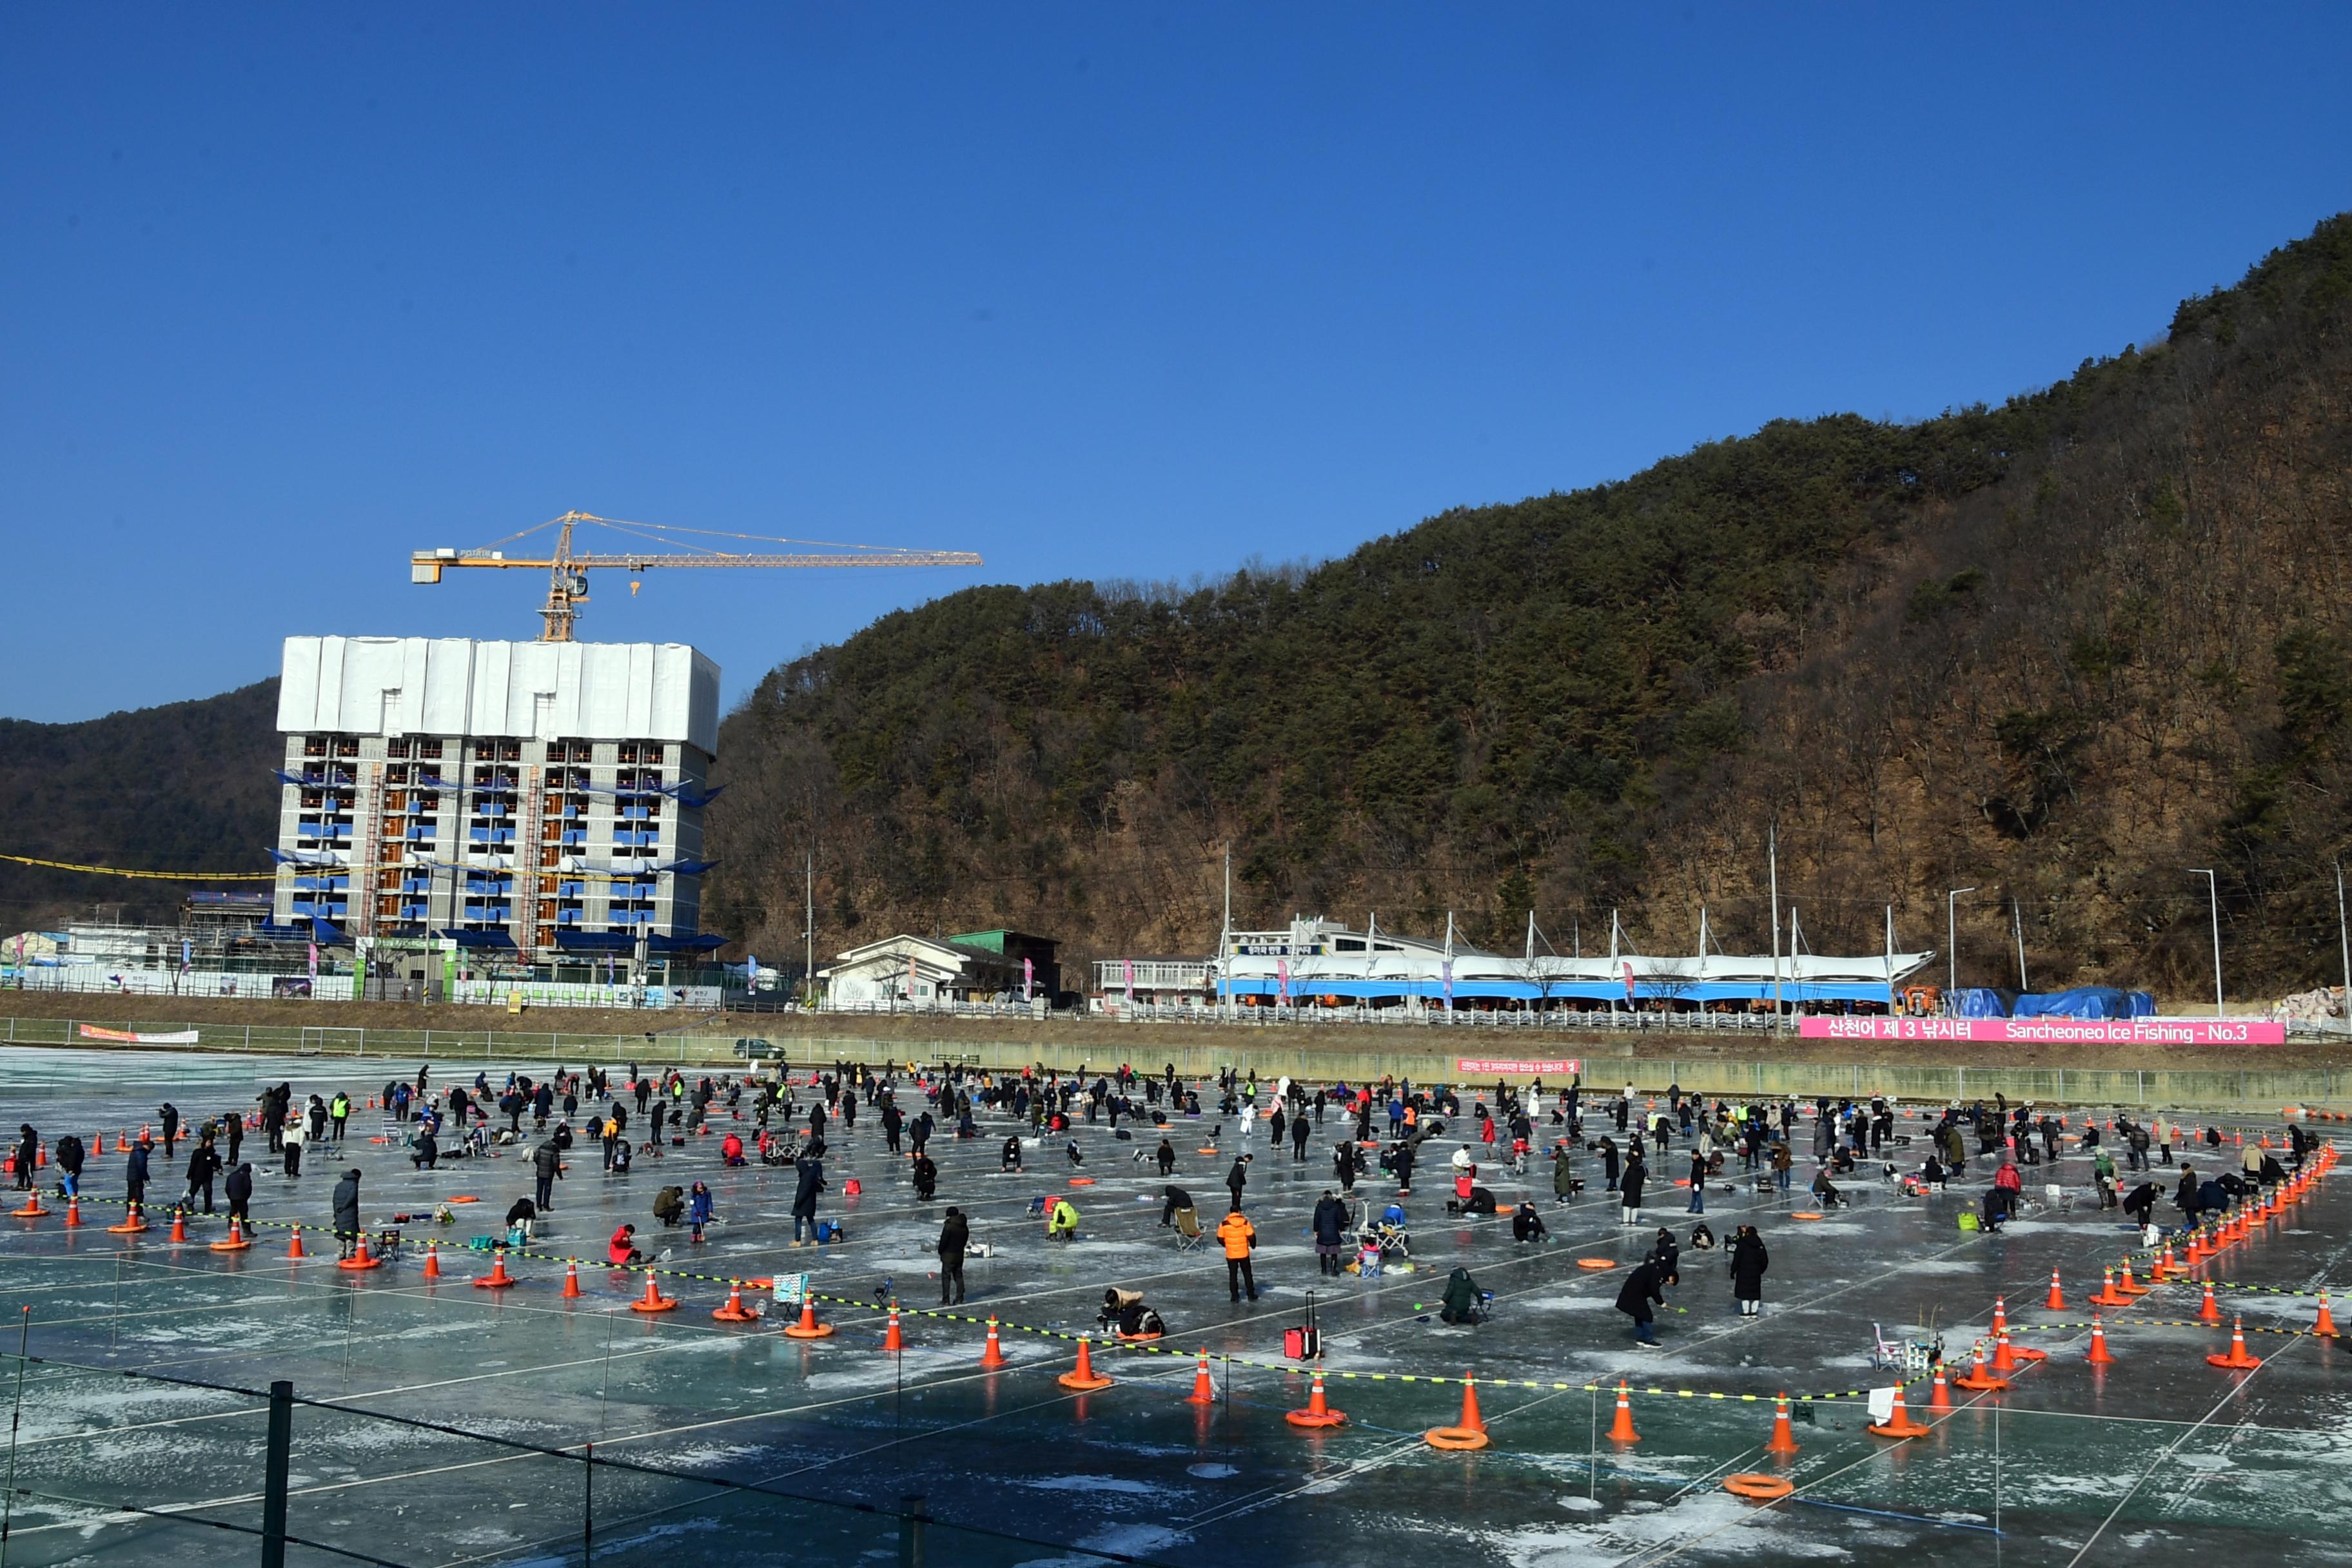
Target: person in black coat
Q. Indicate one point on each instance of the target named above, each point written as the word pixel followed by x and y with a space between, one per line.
pixel 134 1173
pixel 1237 1178
pixel 1629 1186
pixel 1748 1262
pixel 28 1155
pixel 812 1181
pixel 1668 1256
pixel 428 1151
pixel 347 1211
pixel 169 1115
pixel 1331 1233
pixel 240 1194
pixel 1640 1293
pixel 926 1177
pixel 68 1158
pixel 203 1165
pixel 955 1236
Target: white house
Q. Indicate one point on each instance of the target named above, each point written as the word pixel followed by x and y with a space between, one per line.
pixel 918 970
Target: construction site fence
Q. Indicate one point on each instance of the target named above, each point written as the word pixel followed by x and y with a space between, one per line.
pixel 1270 1055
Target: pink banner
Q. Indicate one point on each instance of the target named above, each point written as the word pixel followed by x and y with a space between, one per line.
pixel 1496 1067
pixel 2052 1031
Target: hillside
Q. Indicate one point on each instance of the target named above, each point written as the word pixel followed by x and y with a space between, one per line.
pixel 2062 650
pixel 185 786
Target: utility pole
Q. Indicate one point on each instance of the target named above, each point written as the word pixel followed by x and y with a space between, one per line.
pixel 1225 940
pixel 808 929
pixel 2344 936
pixel 2017 925
pixel 1952 939
pixel 2213 898
pixel 1772 863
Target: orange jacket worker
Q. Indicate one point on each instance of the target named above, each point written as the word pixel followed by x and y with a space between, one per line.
pixel 1239 1236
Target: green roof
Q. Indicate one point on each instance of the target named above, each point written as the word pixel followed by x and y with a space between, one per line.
pixel 994 941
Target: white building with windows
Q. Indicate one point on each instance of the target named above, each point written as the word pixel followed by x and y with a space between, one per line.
pixel 530 803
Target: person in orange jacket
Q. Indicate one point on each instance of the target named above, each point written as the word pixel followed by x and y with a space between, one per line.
pixel 1239 1238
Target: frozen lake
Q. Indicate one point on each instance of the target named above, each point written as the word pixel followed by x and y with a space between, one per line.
pixel 448 1422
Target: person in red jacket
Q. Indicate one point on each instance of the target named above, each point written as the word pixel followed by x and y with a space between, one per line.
pixel 623 1249
pixel 730 1149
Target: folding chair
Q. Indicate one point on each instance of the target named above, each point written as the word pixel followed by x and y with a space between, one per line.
pixel 1189 1234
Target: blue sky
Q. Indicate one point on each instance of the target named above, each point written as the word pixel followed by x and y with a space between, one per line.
pixel 1097 291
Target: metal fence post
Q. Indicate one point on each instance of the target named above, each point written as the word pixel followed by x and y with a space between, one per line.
pixel 277 1461
pixel 913 1514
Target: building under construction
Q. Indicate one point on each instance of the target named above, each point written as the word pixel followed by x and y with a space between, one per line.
pixel 516 804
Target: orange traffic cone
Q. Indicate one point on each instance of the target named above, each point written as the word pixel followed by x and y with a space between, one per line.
pixel 1939 1396
pixel 179 1224
pixel 1621 1429
pixel 2004 1359
pixel 1205 1392
pixel 1083 1376
pixel 73 1214
pixel 734 1311
pixel 893 1341
pixel 2000 1315
pixel 2237 1360
pixel 2108 1296
pixel 992 1354
pixel 237 1241
pixel 2057 1302
pixel 1467 1434
pixel 2211 1310
pixel 134 1222
pixel 2325 1325
pixel 31 1208
pixel 360 1258
pixel 2099 1354
pixel 2128 1287
pixel 123 1141
pixel 98 1145
pixel 432 1269
pixel 571 1279
pixel 1977 1379
pixel 1783 1440
pixel 1898 1423
pixel 808 1328
pixel 294 1248
pixel 497 1278
pixel 653 1300
pixel 1319 1412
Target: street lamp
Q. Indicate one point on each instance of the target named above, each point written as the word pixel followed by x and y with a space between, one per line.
pixel 1951 939
pixel 2214 898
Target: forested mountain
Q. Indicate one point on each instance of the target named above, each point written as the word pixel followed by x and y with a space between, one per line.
pixel 185 787
pixel 2064 650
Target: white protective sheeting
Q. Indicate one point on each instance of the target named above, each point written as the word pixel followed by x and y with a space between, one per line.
pixel 458 685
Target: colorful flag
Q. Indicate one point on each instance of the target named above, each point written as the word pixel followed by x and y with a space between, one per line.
pixel 1281 979
pixel 1028 980
pixel 1629 981
pixel 1445 974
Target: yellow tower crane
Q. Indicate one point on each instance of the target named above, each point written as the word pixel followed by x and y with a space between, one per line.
pixel 567 569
